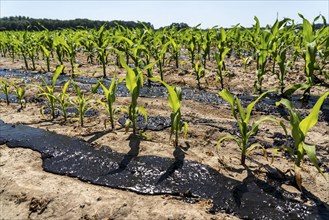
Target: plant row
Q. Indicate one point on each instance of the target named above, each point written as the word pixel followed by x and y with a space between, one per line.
pixel 273 50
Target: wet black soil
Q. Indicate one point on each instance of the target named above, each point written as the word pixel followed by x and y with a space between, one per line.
pixel 251 199
pixel 266 105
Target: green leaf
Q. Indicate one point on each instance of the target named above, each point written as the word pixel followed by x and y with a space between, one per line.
pixel 222 35
pixel 312 118
pixel 256 124
pixel 252 147
pixel 102 103
pixel 95 87
pixel 66 85
pixel 143 112
pixel 308 35
pixel 150 65
pixel 112 86
pixel 228 137
pixel 130 76
pixel 121 38
pixel 223 54
pixel 58 71
pixel 294 88
pixel 45 51
pixel 251 105
pixel 173 99
pixel 240 109
pixel 294 122
pixel 311 153
pixel 227 96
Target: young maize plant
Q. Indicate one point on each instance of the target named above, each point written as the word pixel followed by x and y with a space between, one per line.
pixel 5 88
pixel 199 72
pixel 191 44
pixel 12 46
pixel 206 45
pixel 102 42
pixel 20 93
pixel 63 99
pixel 174 102
pixel 48 91
pixel 33 49
pixel 22 42
pixel 122 43
pixel 312 40
pixel 81 103
pixel 47 46
pixel 299 128
pixel 71 46
pixel 279 39
pixel 89 46
pixel 242 118
pixel 159 53
pixel 59 48
pixel 110 97
pixel 261 59
pixel 134 82
pixel 220 56
pixel 176 47
pixel 283 66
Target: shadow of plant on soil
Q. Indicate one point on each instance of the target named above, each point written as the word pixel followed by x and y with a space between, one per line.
pixel 179 155
pixel 134 144
pixel 96 135
pixel 272 186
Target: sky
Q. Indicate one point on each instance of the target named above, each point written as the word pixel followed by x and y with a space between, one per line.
pixel 222 13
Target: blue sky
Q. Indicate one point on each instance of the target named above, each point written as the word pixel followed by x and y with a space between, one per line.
pixel 161 13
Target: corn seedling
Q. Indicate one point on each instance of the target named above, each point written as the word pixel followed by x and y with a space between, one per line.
pixel 47 45
pixel 311 40
pixel 33 48
pixel 20 93
pixel 159 54
pixel 199 73
pixel 102 41
pixel 206 45
pixel 48 91
pixel 110 97
pixel 176 47
pixel 71 45
pixel 89 47
pixel 5 88
pixel 283 66
pixel 59 48
pixel 261 59
pixel 62 99
pixel 191 45
pixel 220 56
pixel 174 102
pixel 22 42
pixel 81 103
pixel 246 62
pixel 242 118
pixel 134 82
pixel 299 128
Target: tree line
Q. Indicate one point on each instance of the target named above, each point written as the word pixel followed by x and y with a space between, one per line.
pixel 20 23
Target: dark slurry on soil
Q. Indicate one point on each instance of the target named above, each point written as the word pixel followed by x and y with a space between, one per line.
pixel 252 198
pixel 265 105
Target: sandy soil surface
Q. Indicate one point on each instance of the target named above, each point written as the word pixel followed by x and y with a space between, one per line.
pixel 28 192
